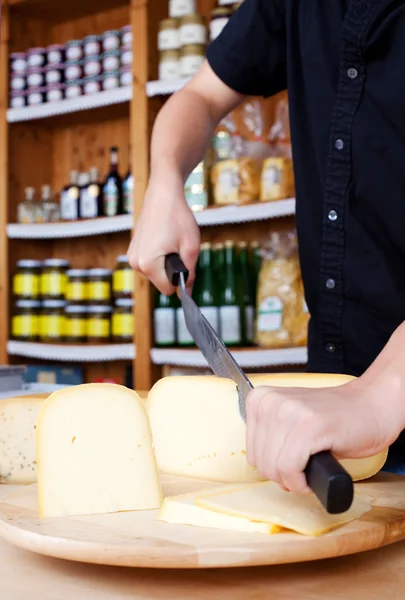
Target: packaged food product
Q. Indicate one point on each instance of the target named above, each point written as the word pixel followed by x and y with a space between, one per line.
pixel 169 65
pixel 91 85
pixel 123 279
pixel 53 278
pixel 75 324
pixel 125 76
pixel 111 81
pixel 280 134
pixel 277 179
pixel 73 70
pixel 76 287
pixel 26 279
pixel 126 55
pixel 169 35
pixel 35 77
pixel 98 324
pixel 52 321
pixel 18 62
pixel 111 61
pixel 36 96
pixel 92 66
pixel 219 18
pixel 193 30
pixel 191 59
pixel 18 83
pixel 180 8
pixel 25 321
pixel 122 322
pixel 36 57
pixel 74 50
pixel 55 92
pixel 111 40
pixel 54 73
pixel 126 35
pixel 236 181
pixel 74 88
pixel 99 286
pixel 91 45
pixel 55 54
pixel 18 99
pixel 300 332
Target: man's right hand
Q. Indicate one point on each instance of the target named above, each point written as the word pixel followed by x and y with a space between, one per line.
pixel 166 225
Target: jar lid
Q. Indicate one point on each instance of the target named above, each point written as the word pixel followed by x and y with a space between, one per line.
pixel 77 273
pixel 28 304
pixel 35 51
pixel 99 272
pixel 29 263
pixel 91 38
pixel 170 55
pixel 14 55
pixel 75 309
pixel 192 20
pixel 192 50
pixel 74 43
pixel 110 32
pixel 168 24
pixel 56 262
pixel 96 308
pixel 124 302
pixel 122 258
pixel 53 304
pixel 111 53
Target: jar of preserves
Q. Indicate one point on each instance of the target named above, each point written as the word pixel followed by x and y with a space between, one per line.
pixel 53 278
pixel 123 279
pixel 52 321
pixel 125 76
pixel 98 324
pixel 169 65
pixel 126 55
pixel 26 279
pixel 53 74
pixel 111 61
pixel 111 81
pixel 111 40
pixel 36 96
pixel 180 8
pixel 74 89
pixel 75 324
pixel 219 18
pixel 18 62
pixel 25 321
pixel 191 59
pixel 169 35
pixel 193 30
pixel 55 92
pixel 122 322
pixel 92 66
pixel 76 286
pixel 36 57
pixel 18 99
pixel 17 82
pixel 35 77
pixel 99 286
pixel 74 50
pixel 91 45
pixel 73 70
pixel 55 54
pixel 126 35
pixel 91 85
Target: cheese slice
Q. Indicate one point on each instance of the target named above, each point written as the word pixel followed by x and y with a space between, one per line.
pixel 199 433
pixel 183 510
pixel 268 503
pixel 95 453
pixel 18 457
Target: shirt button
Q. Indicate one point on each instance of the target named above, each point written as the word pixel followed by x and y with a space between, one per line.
pixel 352 73
pixel 339 144
pixel 332 216
pixel 330 284
pixel 330 348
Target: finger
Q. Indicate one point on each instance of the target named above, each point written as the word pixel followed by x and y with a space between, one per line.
pixel 252 403
pixel 292 460
pixel 155 271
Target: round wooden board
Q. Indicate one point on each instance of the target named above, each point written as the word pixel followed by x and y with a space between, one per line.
pixel 138 539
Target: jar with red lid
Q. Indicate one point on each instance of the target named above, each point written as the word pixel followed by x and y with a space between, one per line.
pixel 111 81
pixel 35 77
pixel 36 57
pixel 126 35
pixel 36 96
pixel 92 66
pixel 91 45
pixel 73 70
pixel 18 99
pixel 54 74
pixel 126 76
pixel 126 55
pixel 55 92
pixel 92 85
pixel 55 54
pixel 111 61
pixel 18 63
pixel 74 89
pixel 74 50
pixel 111 40
pixel 17 82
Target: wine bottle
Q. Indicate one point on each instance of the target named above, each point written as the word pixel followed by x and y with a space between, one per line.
pixel 112 188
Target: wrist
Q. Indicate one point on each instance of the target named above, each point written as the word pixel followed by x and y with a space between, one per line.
pixel 386 396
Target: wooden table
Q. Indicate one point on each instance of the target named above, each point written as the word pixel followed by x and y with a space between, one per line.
pixel 376 575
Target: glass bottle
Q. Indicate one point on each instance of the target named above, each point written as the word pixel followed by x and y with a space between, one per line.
pixel 230 313
pixel 49 208
pixel 26 209
pixel 91 196
pixel 246 293
pixel 218 259
pixel 164 317
pixel 206 296
pixel 128 191
pixel 183 336
pixel 112 188
pixel 69 199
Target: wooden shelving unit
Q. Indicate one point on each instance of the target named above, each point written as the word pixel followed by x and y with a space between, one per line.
pixel 40 145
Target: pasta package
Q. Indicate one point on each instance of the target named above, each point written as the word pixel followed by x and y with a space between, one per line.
pixel 277 179
pixel 236 181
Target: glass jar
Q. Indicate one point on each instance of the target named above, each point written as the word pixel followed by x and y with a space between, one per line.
pixel 111 40
pixel 76 286
pixel 111 61
pixel 92 66
pixel 73 70
pixel 180 8
pixel 17 82
pixel 191 59
pixel 18 62
pixel 219 18
pixel 74 50
pixel 92 85
pixel 111 81
pixel 52 321
pixel 76 324
pixel 91 45
pixel 125 76
pixel 99 286
pixel 126 55
pixel 36 96
pixel 55 54
pixel 122 322
pixel 54 74
pixel 98 324
pixel 193 30
pixel 53 279
pixel 36 57
pixel 123 279
pixel 26 279
pixel 169 35
pixel 55 92
pixel 35 77
pixel 126 35
pixel 169 65
pixel 17 99
pixel 74 89
pixel 25 321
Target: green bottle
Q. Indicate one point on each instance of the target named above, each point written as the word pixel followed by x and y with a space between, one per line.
pixel 256 261
pixel 183 336
pixel 246 293
pixel 206 296
pixel 230 312
pixel 164 320
pixel 218 260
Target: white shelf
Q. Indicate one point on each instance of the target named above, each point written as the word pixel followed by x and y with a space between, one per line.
pixel 62 107
pixel 72 353
pixel 164 88
pixel 249 212
pixel 247 359
pixel 70 229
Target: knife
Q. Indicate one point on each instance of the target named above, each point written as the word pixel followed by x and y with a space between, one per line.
pixel 326 477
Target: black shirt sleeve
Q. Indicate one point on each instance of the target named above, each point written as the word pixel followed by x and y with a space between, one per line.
pixel 249 55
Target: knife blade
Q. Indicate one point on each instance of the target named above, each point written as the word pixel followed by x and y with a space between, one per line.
pixel 325 476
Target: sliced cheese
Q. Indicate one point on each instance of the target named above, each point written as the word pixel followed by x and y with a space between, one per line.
pixel 199 433
pixel 95 453
pixel 183 510
pixel 268 503
pixel 18 457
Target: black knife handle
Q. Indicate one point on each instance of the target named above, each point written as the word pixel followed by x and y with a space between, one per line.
pixel 173 267
pixel 330 482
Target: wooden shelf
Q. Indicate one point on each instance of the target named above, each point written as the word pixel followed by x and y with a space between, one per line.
pixel 72 353
pixel 52 231
pixel 248 358
pixel 63 107
pixel 243 214
pixel 165 88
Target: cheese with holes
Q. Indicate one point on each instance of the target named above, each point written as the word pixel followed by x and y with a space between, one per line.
pixel 199 433
pixel 18 418
pixel 268 503
pixel 95 453
pixel 183 510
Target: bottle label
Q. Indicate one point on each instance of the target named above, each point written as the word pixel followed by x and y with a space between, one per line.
pixel 183 336
pixel 211 313
pixel 99 290
pixel 110 199
pixel 127 197
pixel 26 284
pixel 230 324
pixel 123 281
pixel 98 327
pixel 169 39
pixel 88 203
pixel 69 208
pixel 249 322
pixel 53 284
pixel 76 291
pixel 195 189
pixel 76 327
pixel 24 326
pixel 164 322
pixel 270 314
pixel 53 326
pixel 123 325
pixel 180 8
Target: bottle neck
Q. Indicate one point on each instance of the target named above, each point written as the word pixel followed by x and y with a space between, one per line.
pixel 113 160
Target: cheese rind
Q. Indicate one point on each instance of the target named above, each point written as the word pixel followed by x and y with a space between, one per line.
pixel 18 456
pixel 199 433
pixel 95 453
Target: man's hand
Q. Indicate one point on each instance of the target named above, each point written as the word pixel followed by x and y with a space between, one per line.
pixel 285 427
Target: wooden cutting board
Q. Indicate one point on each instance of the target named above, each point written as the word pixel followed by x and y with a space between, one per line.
pixel 138 539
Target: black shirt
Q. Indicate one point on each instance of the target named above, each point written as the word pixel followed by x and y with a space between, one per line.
pixel 343 63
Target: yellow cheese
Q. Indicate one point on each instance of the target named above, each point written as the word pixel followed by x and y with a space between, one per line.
pixel 268 503
pixel 183 510
pixel 199 433
pixel 95 453
pixel 18 459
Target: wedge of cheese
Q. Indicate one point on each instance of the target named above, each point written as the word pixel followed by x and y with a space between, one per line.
pixel 199 433
pixel 18 456
pixel 95 453
pixel 268 503
pixel 183 510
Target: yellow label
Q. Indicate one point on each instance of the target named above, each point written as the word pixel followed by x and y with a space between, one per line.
pixel 76 291
pixel 123 281
pixel 76 327
pixel 122 325
pixel 53 284
pixel 25 325
pixel 26 284
pixel 98 327
pixel 52 326
pixel 99 290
